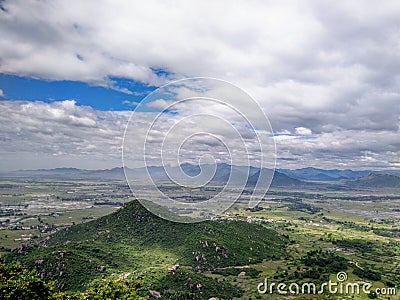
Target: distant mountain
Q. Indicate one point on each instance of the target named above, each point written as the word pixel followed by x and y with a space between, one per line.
pixel 279 180
pixel 282 180
pixel 374 180
pixel 223 172
pixel 389 172
pixel 314 174
pixel 67 173
pixel 161 174
pixel 191 170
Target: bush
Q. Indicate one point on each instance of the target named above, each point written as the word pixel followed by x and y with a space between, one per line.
pixel 187 284
pixel 329 262
pixel 19 283
pixel 251 272
pixel 112 288
pixel 367 274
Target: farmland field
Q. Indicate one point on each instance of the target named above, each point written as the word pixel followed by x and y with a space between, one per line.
pixel 358 228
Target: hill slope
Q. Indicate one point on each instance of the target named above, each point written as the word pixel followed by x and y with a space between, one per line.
pixel 133 239
pixel 374 180
pixel 279 180
pixel 315 174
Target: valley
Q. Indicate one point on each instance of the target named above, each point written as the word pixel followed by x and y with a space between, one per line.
pixel 74 231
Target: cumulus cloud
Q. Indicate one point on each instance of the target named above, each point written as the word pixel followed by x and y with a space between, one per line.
pixel 358 149
pixel 36 134
pixel 1 93
pixel 270 42
pixel 159 104
pixel 130 103
pixel 62 133
pixel 303 131
pixel 316 68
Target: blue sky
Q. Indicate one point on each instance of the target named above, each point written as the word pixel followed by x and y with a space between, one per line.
pixel 100 98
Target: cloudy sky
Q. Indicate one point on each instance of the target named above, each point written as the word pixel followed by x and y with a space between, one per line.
pixel 327 75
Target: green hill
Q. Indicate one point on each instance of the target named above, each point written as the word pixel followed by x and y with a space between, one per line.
pixel 136 241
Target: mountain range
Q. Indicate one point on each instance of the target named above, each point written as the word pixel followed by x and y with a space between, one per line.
pixel 294 178
pixel 315 174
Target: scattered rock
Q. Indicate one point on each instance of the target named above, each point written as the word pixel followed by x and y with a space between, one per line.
pixel 155 294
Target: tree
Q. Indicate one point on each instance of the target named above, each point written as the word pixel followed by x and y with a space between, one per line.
pixel 19 283
pixel 112 288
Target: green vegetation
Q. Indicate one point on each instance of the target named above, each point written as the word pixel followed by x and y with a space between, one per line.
pixel 186 284
pixel 325 262
pixel 299 206
pixel 292 236
pixel 110 288
pixel 74 256
pixel 251 272
pixel 367 274
pixel 19 283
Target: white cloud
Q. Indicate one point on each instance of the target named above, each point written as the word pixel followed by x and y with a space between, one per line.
pixel 130 103
pixel 1 93
pixel 303 131
pixel 329 69
pixel 39 135
pixel 341 149
pixel 247 43
pixel 159 104
pixel 35 133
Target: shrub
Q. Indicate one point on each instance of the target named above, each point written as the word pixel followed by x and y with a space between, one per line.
pixel 19 283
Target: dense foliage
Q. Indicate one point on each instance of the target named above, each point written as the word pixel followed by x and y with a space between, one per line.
pixel 251 272
pixel 325 261
pixel 112 288
pixel 19 283
pixel 367 274
pixel 133 239
pixel 186 284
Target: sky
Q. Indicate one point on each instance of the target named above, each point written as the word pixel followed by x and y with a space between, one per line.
pixel 326 74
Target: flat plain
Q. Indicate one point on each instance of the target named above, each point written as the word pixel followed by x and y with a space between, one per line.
pixel 353 231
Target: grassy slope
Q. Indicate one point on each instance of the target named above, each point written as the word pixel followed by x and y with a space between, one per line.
pixel 134 240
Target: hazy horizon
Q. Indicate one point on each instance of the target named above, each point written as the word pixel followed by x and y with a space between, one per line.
pixel 121 167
